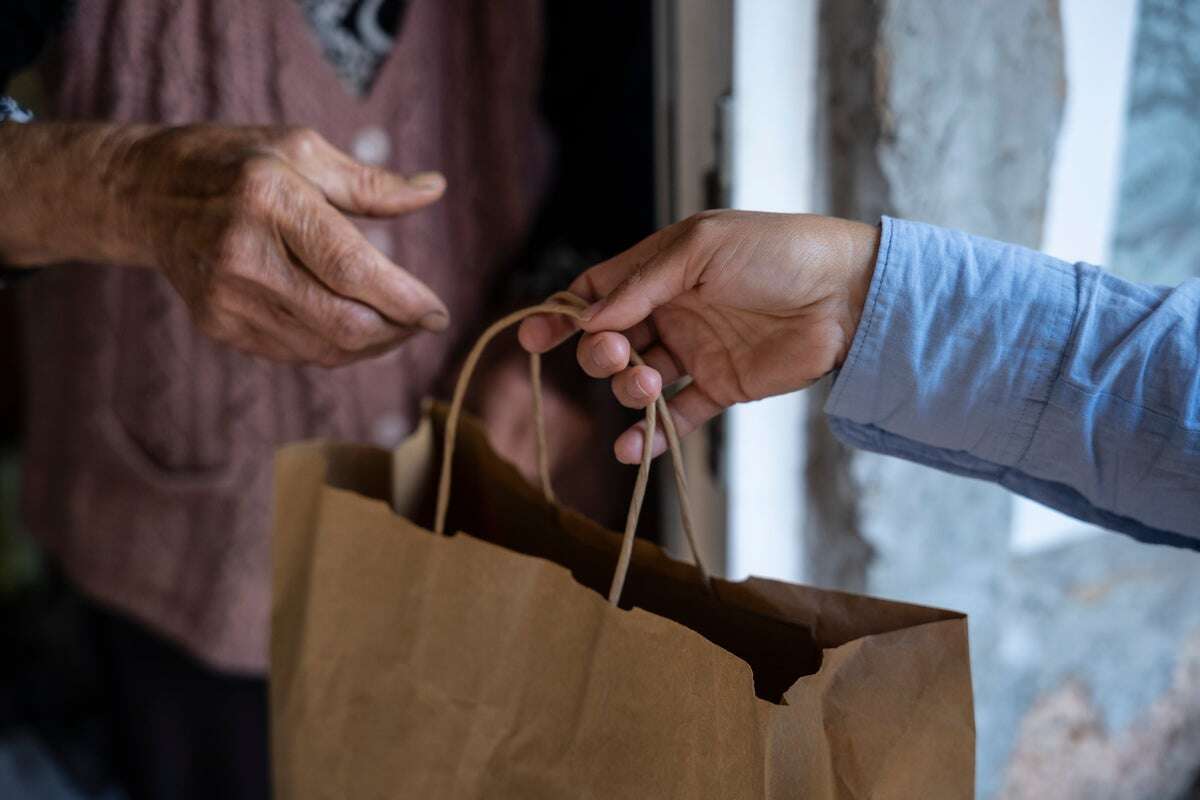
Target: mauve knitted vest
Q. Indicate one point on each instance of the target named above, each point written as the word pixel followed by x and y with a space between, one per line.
pixel 149 447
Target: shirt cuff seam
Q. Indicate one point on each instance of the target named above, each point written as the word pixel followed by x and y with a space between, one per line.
pixel 846 374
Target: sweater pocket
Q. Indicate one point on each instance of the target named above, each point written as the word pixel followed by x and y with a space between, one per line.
pixel 153 474
pixel 171 415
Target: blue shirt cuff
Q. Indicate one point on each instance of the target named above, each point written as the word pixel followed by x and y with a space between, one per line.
pixel 943 355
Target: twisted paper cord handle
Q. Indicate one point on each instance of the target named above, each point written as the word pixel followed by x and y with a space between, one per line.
pixel 572 306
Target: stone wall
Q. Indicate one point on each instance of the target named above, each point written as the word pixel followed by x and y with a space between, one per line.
pixel 1158 235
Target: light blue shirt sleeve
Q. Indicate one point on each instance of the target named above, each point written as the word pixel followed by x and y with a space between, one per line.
pixel 1059 381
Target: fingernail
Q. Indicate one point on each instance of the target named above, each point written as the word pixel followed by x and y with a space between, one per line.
pixel 434 321
pixel 593 309
pixel 604 354
pixel 640 384
pixel 631 451
pixel 427 181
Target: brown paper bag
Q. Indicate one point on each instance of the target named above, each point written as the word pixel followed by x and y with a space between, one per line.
pixel 488 664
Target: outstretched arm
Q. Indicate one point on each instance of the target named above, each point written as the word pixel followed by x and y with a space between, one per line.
pixel 248 224
pixel 1058 381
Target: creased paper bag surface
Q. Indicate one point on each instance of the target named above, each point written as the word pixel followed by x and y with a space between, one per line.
pixel 489 665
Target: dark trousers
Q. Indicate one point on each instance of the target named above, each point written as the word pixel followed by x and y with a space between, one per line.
pixel 180 729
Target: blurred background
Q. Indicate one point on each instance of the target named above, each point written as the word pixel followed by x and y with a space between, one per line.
pixel 1071 126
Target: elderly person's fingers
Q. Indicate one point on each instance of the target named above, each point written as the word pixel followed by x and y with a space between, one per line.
pixel 269 330
pixel 338 255
pixel 326 329
pixel 354 187
pixel 254 340
pixel 351 324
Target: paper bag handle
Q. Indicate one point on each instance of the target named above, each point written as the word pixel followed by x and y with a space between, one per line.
pixel 570 305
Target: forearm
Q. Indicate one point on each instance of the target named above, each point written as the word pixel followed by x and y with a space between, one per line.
pixel 1056 380
pixel 66 194
pixel 1122 418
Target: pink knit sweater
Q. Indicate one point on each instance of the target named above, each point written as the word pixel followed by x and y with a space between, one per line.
pixel 149 446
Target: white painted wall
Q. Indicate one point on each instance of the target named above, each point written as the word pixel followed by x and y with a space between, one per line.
pixel 1084 182
pixel 774 136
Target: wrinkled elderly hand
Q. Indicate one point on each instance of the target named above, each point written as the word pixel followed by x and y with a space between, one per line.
pixel 248 224
pixel 746 305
